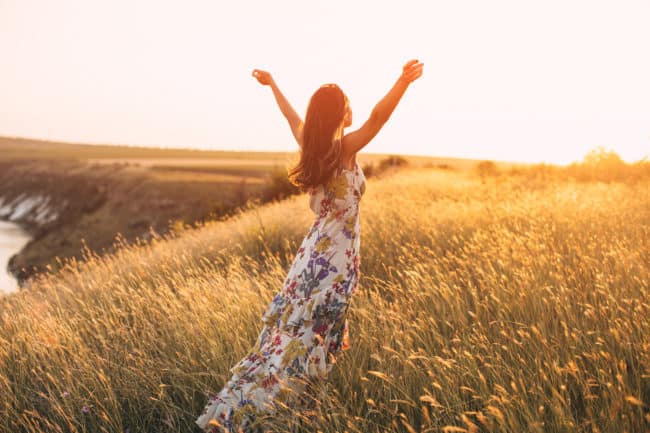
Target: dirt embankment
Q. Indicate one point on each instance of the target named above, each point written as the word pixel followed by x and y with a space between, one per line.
pixel 63 203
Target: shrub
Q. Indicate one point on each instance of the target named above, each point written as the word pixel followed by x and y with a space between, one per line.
pixel 392 161
pixel 487 168
pixel 279 186
pixel 369 170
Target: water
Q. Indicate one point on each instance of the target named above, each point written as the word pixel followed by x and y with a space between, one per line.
pixel 12 239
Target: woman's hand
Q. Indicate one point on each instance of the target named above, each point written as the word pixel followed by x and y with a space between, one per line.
pixel 411 71
pixel 356 140
pixel 295 122
pixel 263 77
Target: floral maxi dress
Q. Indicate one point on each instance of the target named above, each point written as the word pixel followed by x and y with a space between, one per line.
pixel 305 325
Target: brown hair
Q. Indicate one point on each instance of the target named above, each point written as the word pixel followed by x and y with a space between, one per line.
pixel 320 152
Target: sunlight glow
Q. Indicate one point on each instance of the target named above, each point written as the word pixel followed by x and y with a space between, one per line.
pixel 507 80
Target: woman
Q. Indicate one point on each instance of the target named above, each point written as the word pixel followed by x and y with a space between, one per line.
pixel 305 326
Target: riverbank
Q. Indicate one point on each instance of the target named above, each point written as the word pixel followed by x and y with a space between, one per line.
pixel 68 198
pixel 67 205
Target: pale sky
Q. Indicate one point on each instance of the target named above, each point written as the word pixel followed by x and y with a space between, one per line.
pixel 510 80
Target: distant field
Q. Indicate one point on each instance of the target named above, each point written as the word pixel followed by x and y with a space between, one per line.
pixel 18 148
pixel 206 162
pixel 25 148
pixel 217 178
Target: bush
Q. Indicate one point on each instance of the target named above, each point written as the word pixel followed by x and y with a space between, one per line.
pixel 279 186
pixel 369 170
pixel 599 157
pixel 392 161
pixel 487 168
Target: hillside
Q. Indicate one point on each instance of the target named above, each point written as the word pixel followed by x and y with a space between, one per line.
pixel 497 303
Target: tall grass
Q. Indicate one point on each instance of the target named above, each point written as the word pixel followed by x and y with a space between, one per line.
pixel 485 305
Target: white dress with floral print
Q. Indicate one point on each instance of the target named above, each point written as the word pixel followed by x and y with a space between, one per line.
pixel 305 325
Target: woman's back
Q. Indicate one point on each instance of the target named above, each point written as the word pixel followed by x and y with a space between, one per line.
pixel 343 191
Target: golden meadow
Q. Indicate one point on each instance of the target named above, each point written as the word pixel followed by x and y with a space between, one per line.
pixel 499 302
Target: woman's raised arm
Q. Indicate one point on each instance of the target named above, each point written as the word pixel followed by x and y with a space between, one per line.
pixel 295 122
pixel 356 140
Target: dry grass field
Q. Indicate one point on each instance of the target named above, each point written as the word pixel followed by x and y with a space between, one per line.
pixel 496 303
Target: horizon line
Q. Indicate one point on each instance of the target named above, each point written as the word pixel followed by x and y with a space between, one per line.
pixel 199 149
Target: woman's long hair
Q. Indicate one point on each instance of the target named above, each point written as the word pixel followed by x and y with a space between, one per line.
pixel 321 138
